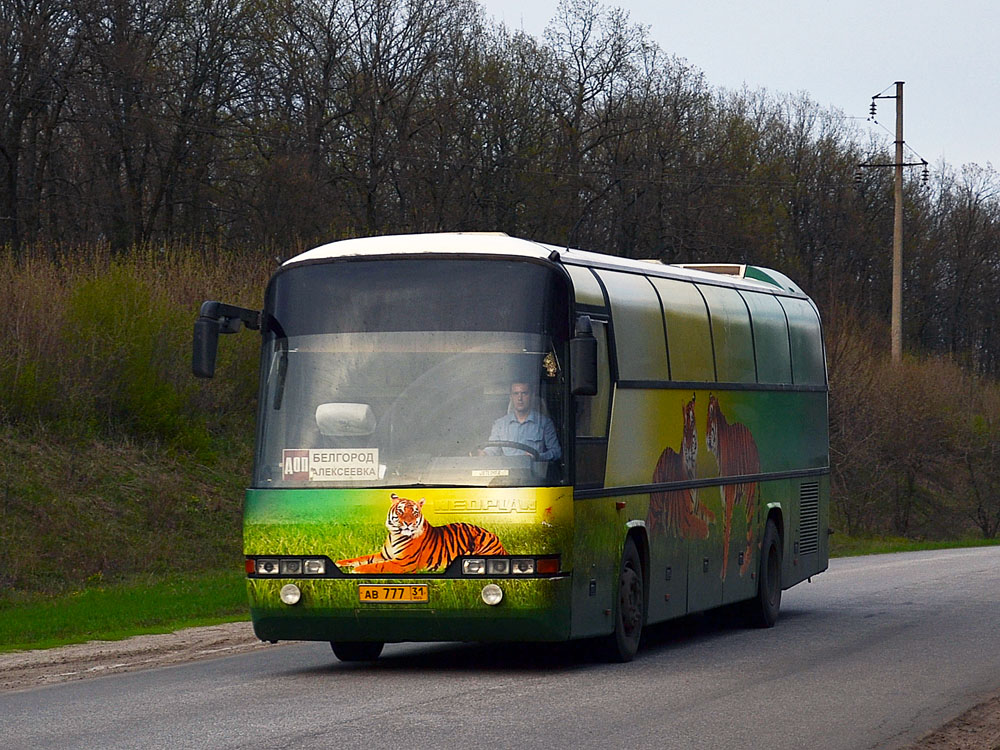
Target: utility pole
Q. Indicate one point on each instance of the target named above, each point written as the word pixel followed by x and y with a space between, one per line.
pixel 896 331
pixel 897 236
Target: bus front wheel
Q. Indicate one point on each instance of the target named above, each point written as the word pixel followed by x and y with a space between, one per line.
pixel 762 610
pixel 630 612
pixel 356 650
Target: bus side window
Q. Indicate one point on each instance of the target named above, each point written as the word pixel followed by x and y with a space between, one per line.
pixel 770 334
pixel 592 411
pixel 731 336
pixel 806 338
pixel 688 330
pixel 591 455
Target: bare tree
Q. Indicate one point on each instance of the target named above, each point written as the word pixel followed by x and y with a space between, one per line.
pixel 597 51
pixel 38 53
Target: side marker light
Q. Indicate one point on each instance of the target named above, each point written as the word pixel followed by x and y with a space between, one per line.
pixel 548 565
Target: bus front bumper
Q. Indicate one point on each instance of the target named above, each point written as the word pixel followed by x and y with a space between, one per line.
pixel 532 609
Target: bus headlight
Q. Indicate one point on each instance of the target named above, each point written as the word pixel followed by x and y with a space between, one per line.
pixel 524 566
pixel 267 567
pixel 290 594
pixel 314 567
pixel 498 567
pixel 291 567
pixel 492 594
pixel 502 567
pixel 473 566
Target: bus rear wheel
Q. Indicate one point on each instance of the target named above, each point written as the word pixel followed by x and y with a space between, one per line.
pixel 630 609
pixel 356 650
pixel 762 610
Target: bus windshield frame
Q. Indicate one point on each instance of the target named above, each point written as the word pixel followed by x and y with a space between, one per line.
pixel 398 373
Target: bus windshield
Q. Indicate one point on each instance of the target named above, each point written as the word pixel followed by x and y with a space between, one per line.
pixel 361 390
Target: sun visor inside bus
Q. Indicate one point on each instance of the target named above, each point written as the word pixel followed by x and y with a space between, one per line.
pixel 345 420
pixel 419 295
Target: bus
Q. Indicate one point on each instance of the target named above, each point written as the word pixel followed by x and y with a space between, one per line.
pixel 473 437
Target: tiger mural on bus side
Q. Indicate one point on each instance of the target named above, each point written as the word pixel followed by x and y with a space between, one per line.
pixel 734 448
pixel 414 545
pixel 679 510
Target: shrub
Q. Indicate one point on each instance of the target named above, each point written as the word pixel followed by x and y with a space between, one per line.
pixel 116 460
pixel 913 445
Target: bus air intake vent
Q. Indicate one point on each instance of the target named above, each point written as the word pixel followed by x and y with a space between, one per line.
pixel 809 518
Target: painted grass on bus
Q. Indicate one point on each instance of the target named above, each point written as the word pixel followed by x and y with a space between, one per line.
pixel 335 540
pixel 348 541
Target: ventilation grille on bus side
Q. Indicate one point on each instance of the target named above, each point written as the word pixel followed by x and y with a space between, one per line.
pixel 809 518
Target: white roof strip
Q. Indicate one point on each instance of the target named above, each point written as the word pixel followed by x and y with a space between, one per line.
pixel 497 243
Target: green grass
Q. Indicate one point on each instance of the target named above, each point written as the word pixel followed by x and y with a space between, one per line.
pixel 119 611
pixel 842 545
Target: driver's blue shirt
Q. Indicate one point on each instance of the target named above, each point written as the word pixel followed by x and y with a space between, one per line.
pixel 536 431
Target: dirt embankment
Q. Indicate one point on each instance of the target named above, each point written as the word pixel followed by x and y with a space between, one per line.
pixel 976 729
pixel 23 670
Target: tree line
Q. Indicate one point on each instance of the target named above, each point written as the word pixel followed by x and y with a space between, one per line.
pixel 281 123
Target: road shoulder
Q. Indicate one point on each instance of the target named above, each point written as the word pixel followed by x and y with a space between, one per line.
pixel 25 670
pixel 976 729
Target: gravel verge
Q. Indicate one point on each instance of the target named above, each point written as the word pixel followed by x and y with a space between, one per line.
pixel 24 670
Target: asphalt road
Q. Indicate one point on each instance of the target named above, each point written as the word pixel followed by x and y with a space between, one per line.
pixel 872 654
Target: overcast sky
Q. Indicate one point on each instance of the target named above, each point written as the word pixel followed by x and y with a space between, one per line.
pixel 839 52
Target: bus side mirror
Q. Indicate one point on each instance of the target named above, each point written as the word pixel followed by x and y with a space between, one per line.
pixel 206 346
pixel 215 318
pixel 583 359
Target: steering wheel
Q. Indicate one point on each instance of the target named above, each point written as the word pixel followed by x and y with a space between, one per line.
pixel 509 444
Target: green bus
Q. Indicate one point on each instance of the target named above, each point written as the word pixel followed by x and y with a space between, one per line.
pixel 474 437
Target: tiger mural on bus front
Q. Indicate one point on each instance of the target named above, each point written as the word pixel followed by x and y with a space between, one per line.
pixel 679 510
pixel 414 545
pixel 734 448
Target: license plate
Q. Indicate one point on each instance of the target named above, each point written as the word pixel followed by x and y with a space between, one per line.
pixel 392 594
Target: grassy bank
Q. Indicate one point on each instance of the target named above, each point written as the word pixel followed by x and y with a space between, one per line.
pixel 848 546
pixel 118 611
pixel 115 462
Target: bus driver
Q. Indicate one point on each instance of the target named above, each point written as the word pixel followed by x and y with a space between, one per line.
pixel 524 425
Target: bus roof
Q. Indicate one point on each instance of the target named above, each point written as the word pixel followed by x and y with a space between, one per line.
pixel 500 244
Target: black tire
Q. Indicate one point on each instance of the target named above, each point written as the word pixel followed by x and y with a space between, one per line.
pixel 356 650
pixel 630 608
pixel 762 610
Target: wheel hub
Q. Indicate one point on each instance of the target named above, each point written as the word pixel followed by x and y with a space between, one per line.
pixel 630 600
